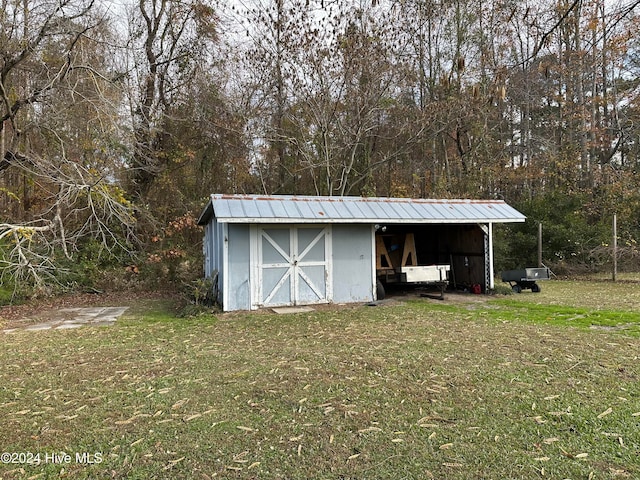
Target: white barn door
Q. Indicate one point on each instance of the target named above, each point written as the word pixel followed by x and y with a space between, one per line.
pixel 293 265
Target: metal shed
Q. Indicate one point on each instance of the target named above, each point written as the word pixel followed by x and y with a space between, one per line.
pixel 298 250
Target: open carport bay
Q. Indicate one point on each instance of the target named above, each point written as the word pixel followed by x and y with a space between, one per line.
pixel 462 247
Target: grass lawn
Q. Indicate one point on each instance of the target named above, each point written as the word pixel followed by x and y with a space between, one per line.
pixel 522 386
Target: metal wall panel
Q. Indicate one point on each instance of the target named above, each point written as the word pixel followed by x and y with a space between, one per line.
pixel 238 296
pixel 353 257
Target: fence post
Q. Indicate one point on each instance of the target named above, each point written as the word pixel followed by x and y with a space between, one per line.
pixel 540 245
pixel 615 247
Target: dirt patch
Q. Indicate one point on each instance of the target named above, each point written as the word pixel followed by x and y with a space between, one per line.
pixel 453 297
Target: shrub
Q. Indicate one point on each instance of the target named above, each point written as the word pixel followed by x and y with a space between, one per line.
pixel 200 296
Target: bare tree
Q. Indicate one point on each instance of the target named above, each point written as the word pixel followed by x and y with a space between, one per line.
pixel 57 188
pixel 168 42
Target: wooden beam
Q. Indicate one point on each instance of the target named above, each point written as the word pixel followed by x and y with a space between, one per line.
pixel 409 251
pixel 382 256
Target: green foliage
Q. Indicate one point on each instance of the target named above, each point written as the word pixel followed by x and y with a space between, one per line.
pixel 502 289
pixel 6 294
pixel 6 280
pixel 91 267
pixel 570 235
pixel 12 292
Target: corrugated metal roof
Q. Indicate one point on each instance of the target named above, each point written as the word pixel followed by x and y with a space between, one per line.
pixel 310 209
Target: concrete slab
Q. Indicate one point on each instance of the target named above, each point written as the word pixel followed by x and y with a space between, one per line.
pixel 66 326
pixel 283 310
pixel 41 326
pixel 69 318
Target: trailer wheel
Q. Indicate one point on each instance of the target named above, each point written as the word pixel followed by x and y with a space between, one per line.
pixel 380 293
pixel 535 288
pixel 516 288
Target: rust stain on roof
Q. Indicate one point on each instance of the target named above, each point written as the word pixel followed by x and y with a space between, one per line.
pixel 308 198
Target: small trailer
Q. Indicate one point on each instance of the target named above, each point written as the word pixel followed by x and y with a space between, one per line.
pixel 525 278
pixel 397 263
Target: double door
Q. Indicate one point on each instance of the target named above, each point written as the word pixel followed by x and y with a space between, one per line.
pixel 293 265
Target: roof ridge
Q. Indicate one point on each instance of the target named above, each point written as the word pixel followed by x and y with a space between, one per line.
pixel 259 197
